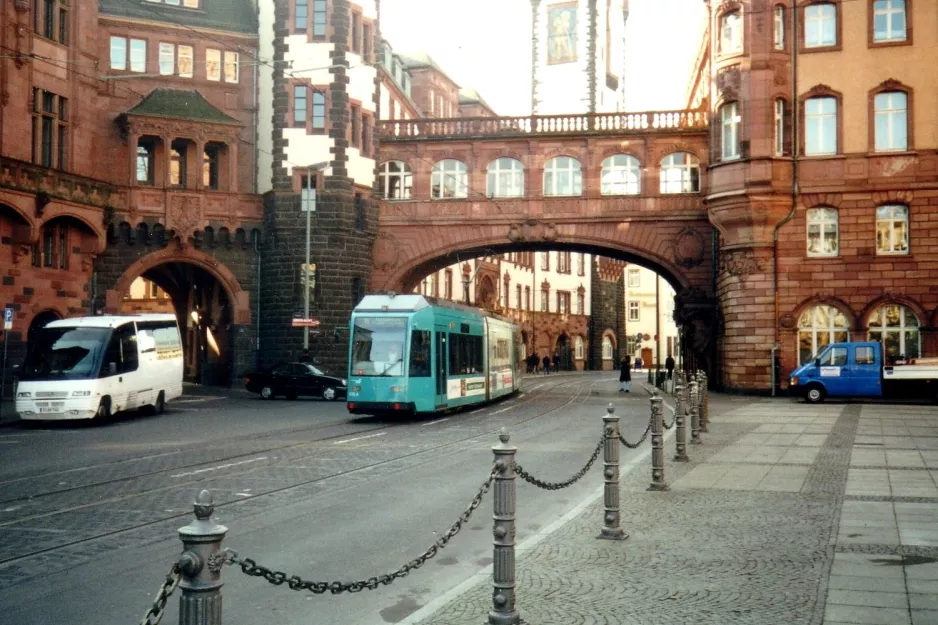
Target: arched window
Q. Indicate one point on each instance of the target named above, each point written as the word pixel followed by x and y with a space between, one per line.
pixel 680 173
pixel 822 231
pixel 562 176
pixel 731 33
pixel 505 178
pixel 607 348
pixel 578 348
pixel 820 326
pixel 622 175
pixel 449 179
pixel 897 328
pixel 395 180
pixel 730 121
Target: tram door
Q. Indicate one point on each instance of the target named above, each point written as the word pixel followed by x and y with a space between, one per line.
pixel 440 365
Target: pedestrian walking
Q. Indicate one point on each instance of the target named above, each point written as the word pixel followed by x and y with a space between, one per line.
pixel 305 357
pixel 546 363
pixel 556 362
pixel 638 363
pixel 669 365
pixel 625 376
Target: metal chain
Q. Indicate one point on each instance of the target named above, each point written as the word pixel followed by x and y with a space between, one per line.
pixel 155 614
pixel 673 418
pixel 640 441
pixel 530 479
pixel 252 568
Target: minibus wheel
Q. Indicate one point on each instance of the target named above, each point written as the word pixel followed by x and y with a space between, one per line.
pixel 104 409
pixel 160 406
pixel 814 394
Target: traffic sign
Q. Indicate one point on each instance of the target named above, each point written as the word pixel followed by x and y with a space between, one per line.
pixel 7 318
pixel 305 323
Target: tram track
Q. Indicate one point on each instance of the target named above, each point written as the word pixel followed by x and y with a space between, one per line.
pixel 529 397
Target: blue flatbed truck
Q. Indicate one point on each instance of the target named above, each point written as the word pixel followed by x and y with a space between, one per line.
pixel 857 369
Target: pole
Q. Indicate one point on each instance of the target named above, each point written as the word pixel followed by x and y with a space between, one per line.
pixel 611 529
pixel 657 443
pixel 200 563
pixel 3 371
pixel 680 437
pixel 307 208
pixel 504 611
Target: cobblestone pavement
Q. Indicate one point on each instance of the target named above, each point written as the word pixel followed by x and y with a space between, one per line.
pixel 787 513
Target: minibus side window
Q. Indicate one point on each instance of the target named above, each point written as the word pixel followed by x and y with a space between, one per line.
pixel 129 358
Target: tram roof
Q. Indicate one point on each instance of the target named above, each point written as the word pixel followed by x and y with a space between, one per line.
pixel 412 302
pixel 108 321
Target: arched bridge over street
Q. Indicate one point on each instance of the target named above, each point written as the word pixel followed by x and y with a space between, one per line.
pixel 451 194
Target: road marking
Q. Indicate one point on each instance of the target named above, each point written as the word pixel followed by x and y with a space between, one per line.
pixel 520 395
pixel 476 410
pixel 359 438
pixel 221 466
pixel 502 410
pixel 437 421
pixel 10 441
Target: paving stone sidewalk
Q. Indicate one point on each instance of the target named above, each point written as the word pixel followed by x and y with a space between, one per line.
pixel 787 514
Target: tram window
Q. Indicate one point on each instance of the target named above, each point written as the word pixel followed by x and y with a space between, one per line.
pixel 465 354
pixel 420 354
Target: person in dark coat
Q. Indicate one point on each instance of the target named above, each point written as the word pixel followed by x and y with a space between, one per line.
pixel 625 376
pixel 556 362
pixel 669 365
pixel 546 362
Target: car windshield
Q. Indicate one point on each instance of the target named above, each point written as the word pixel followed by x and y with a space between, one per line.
pixel 378 346
pixel 313 370
pixel 64 353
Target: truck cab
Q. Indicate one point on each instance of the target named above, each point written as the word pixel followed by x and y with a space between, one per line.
pixel 856 369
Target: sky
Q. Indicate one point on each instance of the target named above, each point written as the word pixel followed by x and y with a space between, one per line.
pixel 486 44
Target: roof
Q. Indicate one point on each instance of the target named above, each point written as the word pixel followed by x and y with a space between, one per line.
pixel 180 104
pixel 422 60
pixel 412 302
pixel 468 95
pixel 109 321
pixel 238 16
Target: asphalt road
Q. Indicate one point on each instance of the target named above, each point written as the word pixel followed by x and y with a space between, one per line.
pixel 88 514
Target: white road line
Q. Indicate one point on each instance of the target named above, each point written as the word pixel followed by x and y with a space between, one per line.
pixel 358 438
pixel 502 410
pixel 10 441
pixel 520 395
pixel 437 421
pixel 221 466
pixel 476 410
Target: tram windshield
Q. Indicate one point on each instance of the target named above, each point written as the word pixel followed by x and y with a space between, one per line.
pixel 65 354
pixel 378 346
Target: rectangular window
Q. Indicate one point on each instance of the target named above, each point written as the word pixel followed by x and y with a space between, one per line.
pixel 184 61
pixel 177 163
pixel 420 354
pixel 50 20
pixel 635 278
pixel 892 230
pixel 730 119
pixel 367 130
pixel 232 67
pixel 563 262
pixel 308 194
pixel 212 64
pixel 300 15
pixel 779 127
pixel 118 53
pixel 820 126
pixel 448 285
pixel 545 261
pixel 563 302
pixel 138 55
pixel 891 122
pixel 210 168
pixel 835 357
pixel 580 304
pixel 779 38
pixel 820 25
pixel 634 311
pixel 518 300
pixel 355 116
pixel 319 19
pixel 731 33
pixel 367 42
pixel 527 298
pixel 889 20
pixel 360 226
pixel 545 303
pixel 145 162
pixel 581 264
pixel 50 127
pixel 319 111
pixel 299 105
pixel 167 59
pixel 466 354
pixel 356 33
pixel 822 232
pixel 864 355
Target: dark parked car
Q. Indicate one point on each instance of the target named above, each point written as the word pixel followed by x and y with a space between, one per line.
pixel 293 379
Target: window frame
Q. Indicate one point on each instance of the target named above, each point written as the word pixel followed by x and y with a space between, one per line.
pixel 164 50
pixel 815 216
pixel 55 118
pixel 821 92
pixel 779 28
pixel 317 26
pixel 781 127
pixel 892 87
pixel 902 329
pixel 687 169
pixel 406 176
pixel 58 31
pixel 803 27
pixel 220 70
pixel 831 329
pixel 235 58
pixel 439 175
pixel 886 43
pixel 892 220
pixel 179 58
pixel 622 165
pixel 738 40
pixel 149 148
pixel 637 274
pixel 497 172
pixel 553 170
pixel 730 127
pixel 636 307
pixel 53 249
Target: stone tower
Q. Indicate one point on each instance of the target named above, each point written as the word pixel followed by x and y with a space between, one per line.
pixel 318 124
pixel 578 56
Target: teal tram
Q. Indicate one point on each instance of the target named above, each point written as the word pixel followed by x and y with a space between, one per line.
pixel 411 354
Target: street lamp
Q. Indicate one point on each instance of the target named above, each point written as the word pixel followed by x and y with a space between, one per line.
pixel 308 205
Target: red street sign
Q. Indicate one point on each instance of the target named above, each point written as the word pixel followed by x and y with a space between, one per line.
pixel 306 323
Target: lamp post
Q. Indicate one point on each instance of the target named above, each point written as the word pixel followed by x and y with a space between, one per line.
pixel 308 206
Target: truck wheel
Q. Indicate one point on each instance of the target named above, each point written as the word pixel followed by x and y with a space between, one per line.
pixel 815 394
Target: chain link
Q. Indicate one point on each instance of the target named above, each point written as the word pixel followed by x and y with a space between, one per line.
pixel 530 479
pixel 294 582
pixel 673 418
pixel 155 614
pixel 640 441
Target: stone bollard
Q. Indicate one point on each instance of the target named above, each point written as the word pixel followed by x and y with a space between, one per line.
pixel 657 443
pixel 680 423
pixel 611 529
pixel 694 414
pixel 200 564
pixel 704 402
pixel 503 610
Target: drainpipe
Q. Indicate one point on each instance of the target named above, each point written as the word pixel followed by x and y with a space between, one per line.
pixel 254 151
pixel 793 111
pixel 257 312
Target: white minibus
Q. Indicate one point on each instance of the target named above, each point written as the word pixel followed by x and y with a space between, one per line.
pixel 92 367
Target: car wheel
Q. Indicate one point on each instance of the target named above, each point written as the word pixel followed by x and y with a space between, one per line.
pixel 814 395
pixel 104 410
pixel 267 392
pixel 160 406
pixel 328 393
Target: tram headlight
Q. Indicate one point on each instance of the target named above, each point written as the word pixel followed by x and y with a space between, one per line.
pixel 344 382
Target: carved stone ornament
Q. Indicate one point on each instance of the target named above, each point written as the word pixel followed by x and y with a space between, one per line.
pixel 532 231
pixel 787 321
pixel 386 251
pixel 689 248
pixel 728 82
pixel 741 263
pixel 728 5
pixel 184 216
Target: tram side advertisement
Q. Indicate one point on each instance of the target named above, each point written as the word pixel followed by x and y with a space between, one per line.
pixel 465 387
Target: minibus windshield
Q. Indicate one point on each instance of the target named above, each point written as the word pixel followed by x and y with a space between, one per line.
pixel 64 354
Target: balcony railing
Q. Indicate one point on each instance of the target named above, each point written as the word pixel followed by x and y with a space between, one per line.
pixel 548 125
